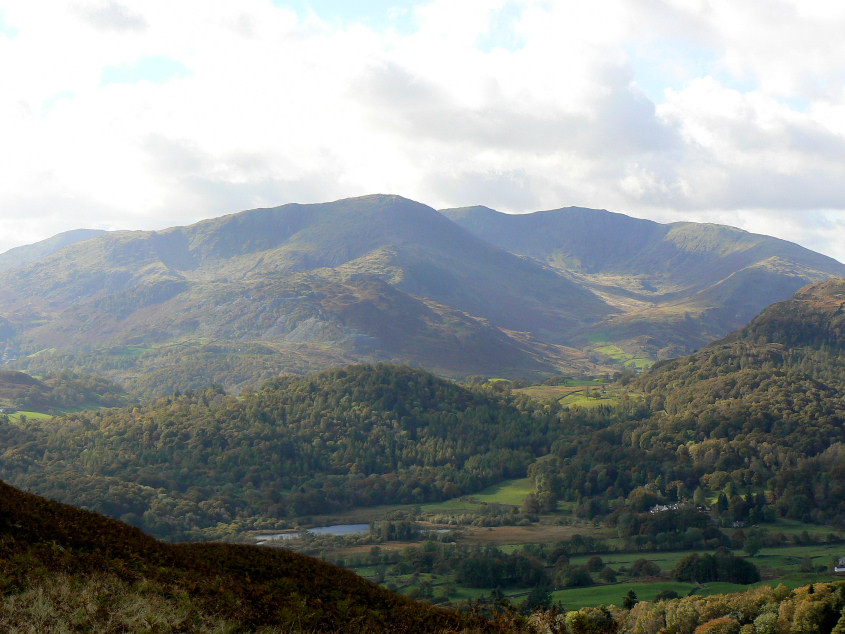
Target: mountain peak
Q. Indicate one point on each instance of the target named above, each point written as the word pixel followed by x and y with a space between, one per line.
pixel 19 256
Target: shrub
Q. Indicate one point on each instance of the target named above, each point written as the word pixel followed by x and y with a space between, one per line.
pixel 644 568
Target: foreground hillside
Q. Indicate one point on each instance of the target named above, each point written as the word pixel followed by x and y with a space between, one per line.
pixel 65 569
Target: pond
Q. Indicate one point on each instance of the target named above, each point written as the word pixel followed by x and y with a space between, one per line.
pixel 336 530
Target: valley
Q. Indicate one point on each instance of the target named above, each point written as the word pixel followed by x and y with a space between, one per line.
pixel 804 552
pixel 534 448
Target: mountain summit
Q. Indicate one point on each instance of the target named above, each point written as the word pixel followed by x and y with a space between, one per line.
pixel 297 287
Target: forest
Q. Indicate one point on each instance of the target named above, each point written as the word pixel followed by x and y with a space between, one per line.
pixel 359 436
pixel 728 425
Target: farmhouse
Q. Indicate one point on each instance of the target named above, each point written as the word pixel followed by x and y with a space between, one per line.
pixel 839 566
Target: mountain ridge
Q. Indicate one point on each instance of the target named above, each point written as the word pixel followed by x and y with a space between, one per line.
pixel 701 280
pixel 24 254
pixel 338 275
pixel 384 278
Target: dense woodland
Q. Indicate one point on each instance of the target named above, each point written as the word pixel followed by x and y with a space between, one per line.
pixel 358 436
pixel 748 427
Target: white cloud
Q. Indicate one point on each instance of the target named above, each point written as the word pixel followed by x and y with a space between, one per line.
pixel 665 109
pixel 110 15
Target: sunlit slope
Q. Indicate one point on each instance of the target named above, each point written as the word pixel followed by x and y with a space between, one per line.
pixel 20 256
pixel 758 415
pixel 378 277
pixel 677 286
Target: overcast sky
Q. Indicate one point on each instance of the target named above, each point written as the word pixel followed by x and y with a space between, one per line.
pixel 145 114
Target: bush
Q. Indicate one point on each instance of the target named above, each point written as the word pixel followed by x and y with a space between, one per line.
pixel 608 574
pixel 721 566
pixel 644 568
pixel 576 577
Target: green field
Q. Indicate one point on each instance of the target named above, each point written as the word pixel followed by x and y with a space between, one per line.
pixel 593 393
pixel 791 557
pixel 594 399
pixel 584 382
pixel 16 417
pixel 455 505
pixel 628 360
pixel 511 492
pixel 787 559
pixel 666 560
pixel 614 593
pixel 548 392
pixel 792 527
pixel 781 565
pixel 592 596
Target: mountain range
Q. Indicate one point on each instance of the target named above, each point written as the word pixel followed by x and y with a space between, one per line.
pixel 676 286
pixel 247 296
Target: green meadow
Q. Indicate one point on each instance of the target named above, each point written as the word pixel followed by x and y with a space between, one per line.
pixel 511 492
pixel 614 593
pixel 16 416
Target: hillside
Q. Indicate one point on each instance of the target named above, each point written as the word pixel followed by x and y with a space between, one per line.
pixel 206 464
pixel 20 256
pixel 63 568
pixel 762 411
pixel 56 393
pixel 678 286
pixel 296 287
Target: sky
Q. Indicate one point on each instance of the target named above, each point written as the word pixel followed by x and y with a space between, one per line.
pixel 147 114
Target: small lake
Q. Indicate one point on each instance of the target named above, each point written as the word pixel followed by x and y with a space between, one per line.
pixel 336 530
